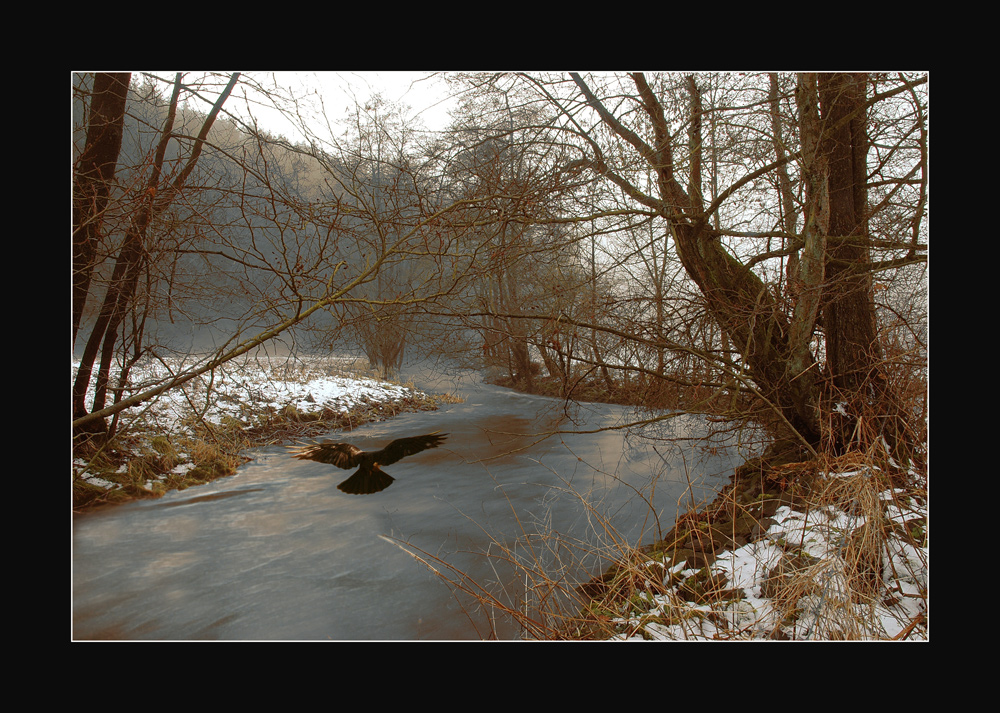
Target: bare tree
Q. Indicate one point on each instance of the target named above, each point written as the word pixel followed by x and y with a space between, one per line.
pixel 761 192
pixel 741 302
pixel 121 291
pixel 724 233
pixel 273 238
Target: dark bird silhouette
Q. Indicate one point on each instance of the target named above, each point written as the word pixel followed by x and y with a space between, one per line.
pixel 369 477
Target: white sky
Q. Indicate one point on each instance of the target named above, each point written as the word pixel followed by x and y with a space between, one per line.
pixel 339 91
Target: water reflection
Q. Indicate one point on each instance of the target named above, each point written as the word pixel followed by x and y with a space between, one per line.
pixel 277 552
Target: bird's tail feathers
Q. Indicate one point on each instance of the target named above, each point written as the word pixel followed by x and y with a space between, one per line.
pixel 366 481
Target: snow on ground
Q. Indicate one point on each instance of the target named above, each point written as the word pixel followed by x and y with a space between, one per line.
pixel 249 391
pixel 241 390
pixel 813 547
pixel 821 608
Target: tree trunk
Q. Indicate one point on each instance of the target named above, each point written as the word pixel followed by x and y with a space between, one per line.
pixel 92 183
pixel 848 310
pixel 806 268
pixel 737 299
pixel 854 358
pixel 132 257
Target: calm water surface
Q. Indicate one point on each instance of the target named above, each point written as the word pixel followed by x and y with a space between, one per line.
pixel 276 552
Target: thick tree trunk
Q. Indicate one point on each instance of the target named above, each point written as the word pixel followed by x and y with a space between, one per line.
pixel 738 300
pixel 848 310
pixel 833 277
pixel 92 183
pixel 853 353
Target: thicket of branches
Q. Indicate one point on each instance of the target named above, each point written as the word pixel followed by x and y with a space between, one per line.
pixel 753 244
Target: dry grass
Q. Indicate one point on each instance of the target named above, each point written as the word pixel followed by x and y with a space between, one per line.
pixel 828 543
pixel 145 460
pixel 825 549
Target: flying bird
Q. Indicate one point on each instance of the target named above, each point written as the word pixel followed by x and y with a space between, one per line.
pixel 369 477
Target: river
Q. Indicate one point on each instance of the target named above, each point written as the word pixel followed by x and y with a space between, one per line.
pixel 276 552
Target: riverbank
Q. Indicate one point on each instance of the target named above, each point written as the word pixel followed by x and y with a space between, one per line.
pixel 198 433
pixel 791 549
pixel 796 547
pixel 798 550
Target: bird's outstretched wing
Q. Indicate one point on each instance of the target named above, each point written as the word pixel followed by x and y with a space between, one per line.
pixel 342 455
pixel 369 478
pixel 402 447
